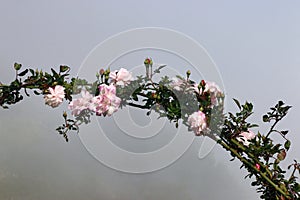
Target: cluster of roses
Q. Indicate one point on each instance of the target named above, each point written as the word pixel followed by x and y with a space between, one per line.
pixel 107 102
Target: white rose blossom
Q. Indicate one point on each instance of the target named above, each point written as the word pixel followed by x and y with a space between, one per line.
pixel 80 104
pixel 121 77
pixel 56 96
pixel 197 122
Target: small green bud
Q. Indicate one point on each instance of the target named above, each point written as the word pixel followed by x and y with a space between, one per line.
pixel 281 156
pixel 17 66
pixel 266 118
pixel 202 83
pixel 154 95
pixel 188 73
pixel 65 114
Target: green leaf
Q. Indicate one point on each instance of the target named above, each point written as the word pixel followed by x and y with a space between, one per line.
pixel 162 66
pixel 63 68
pixel 252 126
pixel 287 145
pixel 280 103
pixel 17 66
pixel 15 84
pixel 284 132
pixel 36 92
pixel 23 73
pixel 134 97
pixel 297 187
pixel 32 72
pixel 159 68
pixel 237 103
pixel 55 74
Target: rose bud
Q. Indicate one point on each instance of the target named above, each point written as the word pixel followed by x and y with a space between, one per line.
pixel 257 166
pixel 154 95
pixel 202 83
pixel 188 73
pixel 101 72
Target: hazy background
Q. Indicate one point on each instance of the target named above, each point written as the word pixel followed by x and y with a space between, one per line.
pixel 255 44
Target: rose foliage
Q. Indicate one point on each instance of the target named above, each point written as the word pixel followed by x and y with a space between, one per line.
pixel 198 105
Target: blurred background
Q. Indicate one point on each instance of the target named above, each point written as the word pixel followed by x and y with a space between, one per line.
pixel 255 45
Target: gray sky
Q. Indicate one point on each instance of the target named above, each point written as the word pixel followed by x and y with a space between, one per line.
pixel 255 45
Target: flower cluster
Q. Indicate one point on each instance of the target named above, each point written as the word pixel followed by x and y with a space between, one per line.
pixel 204 87
pixel 206 91
pixel 106 103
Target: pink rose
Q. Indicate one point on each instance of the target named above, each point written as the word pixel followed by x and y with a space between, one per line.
pixel 106 102
pixel 212 87
pixel 80 104
pixel 197 122
pixel 121 77
pixel 56 96
pixel 244 137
